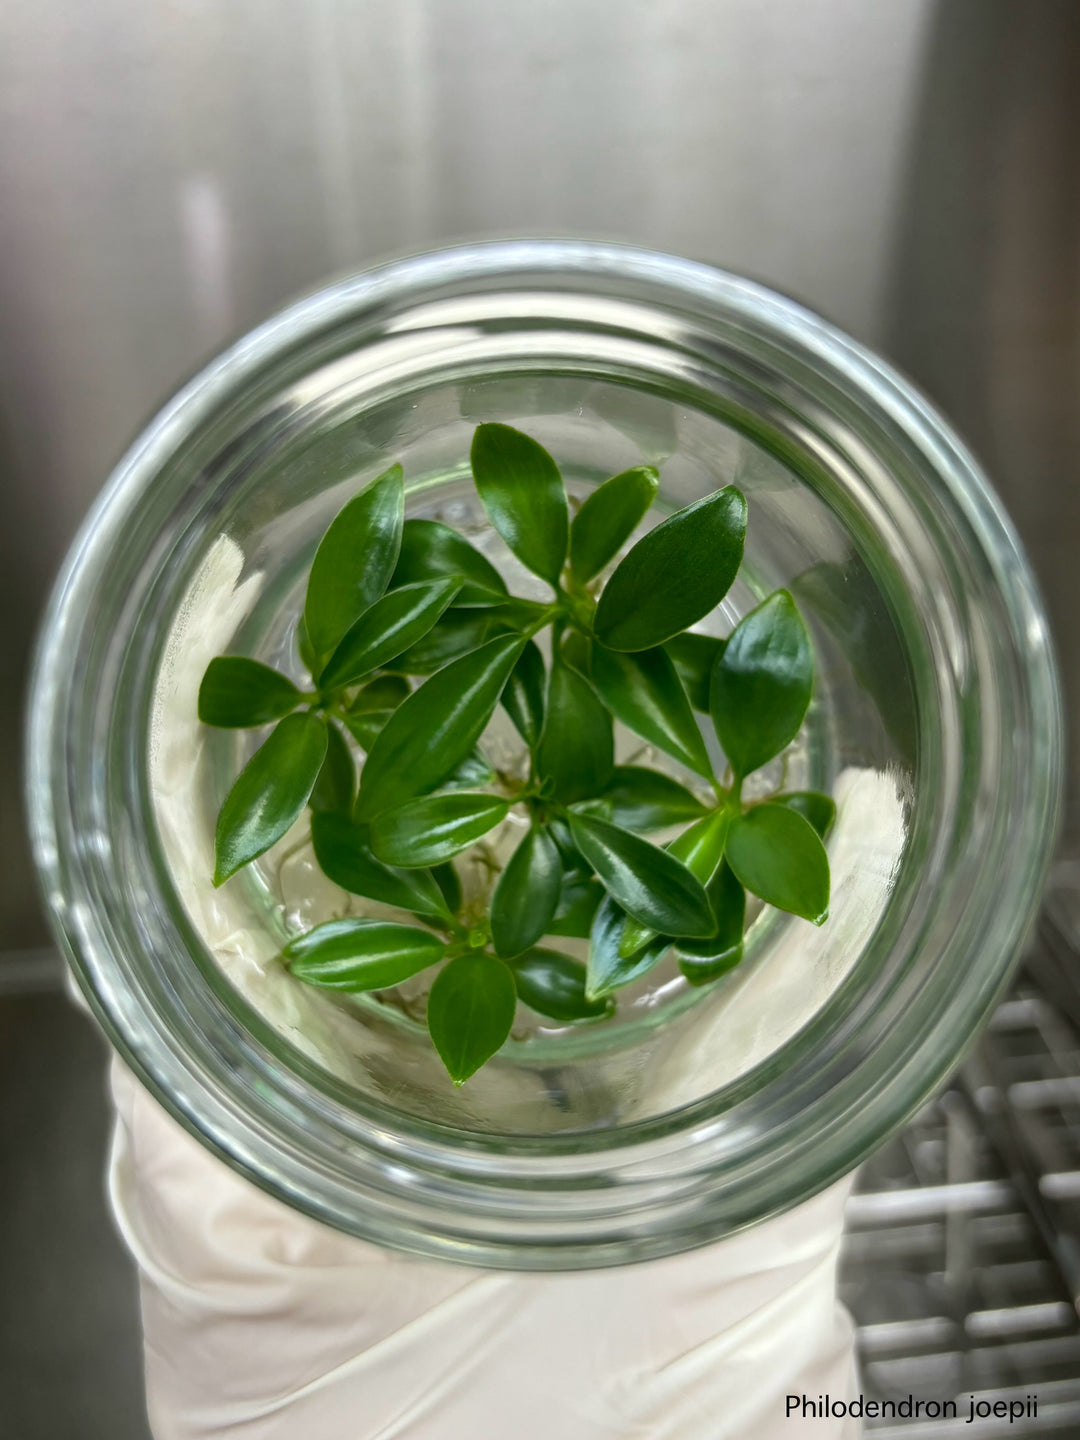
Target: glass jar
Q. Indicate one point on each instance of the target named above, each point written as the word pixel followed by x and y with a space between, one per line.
pixel 936 721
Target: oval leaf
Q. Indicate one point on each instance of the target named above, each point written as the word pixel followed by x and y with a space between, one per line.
pixel 700 848
pixel 344 855
pixel 608 968
pixel 777 855
pixel 675 574
pixel 703 960
pixel 608 518
pixel 381 695
pixel 648 883
pixel 354 561
pixel 470 1012
pixel 356 955
pixel 237 692
pixel 577 749
pixel 694 657
pixel 431 830
pixel 435 728
pixel 391 626
pixel 579 900
pixel 644 692
pixel 456 633
pixel 430 550
pixel 523 698
pixel 446 877
pixel 553 984
pixel 523 494
pixel 819 809
pixel 269 793
pixel 761 684
pixel 527 894
pixel 637 798
pixel 335 789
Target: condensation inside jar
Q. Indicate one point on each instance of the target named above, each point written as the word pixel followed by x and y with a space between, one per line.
pixel 669 1044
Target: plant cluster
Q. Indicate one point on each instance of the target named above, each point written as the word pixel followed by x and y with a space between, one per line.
pixel 412 640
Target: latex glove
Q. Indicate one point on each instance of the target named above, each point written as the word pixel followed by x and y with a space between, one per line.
pixel 261 1324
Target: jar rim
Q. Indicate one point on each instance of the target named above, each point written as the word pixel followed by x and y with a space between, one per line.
pixel 522 1201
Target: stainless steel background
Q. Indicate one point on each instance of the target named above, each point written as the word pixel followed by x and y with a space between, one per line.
pixel 171 173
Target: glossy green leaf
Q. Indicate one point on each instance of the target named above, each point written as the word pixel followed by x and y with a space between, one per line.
pixel 472 773
pixel 270 793
pixel 305 649
pixel 579 900
pixel 384 693
pixel 694 657
pixel 430 550
pixel 571 856
pixel 454 634
pixel 446 877
pixel 608 969
pixel 366 727
pixel 577 749
pixel 648 883
pixel 527 894
pixel 608 518
pixel 355 955
pixel 523 494
pixel 523 698
pixel 435 728
pixel 703 960
pixel 394 623
pixel 355 560
pixel 470 1011
pixel 778 856
pixel 700 848
pixel 819 809
pixel 761 684
pixel 237 692
pixel 637 798
pixel 576 651
pixel 432 829
pixel 335 789
pixel 644 692
pixel 553 984
pixel 344 854
pixel 674 575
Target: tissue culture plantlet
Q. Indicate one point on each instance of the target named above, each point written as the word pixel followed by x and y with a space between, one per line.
pixel 412 640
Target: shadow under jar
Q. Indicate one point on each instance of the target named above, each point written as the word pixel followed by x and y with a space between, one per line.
pixel 935 723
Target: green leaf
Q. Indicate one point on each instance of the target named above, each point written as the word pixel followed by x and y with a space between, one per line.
pixel 637 798
pixel 473 772
pixel 646 694
pixel 694 657
pixel 367 726
pixel 777 855
pixel 432 829
pixel 579 899
pixel 523 698
pixel 270 793
pixel 394 623
pixel 446 877
pixel 527 894
pixel 700 848
pixel 647 882
pixel 335 789
pixel 576 651
pixel 553 984
pixel 354 561
pixel 703 960
pixel 608 518
pixel 470 1012
pixel 430 551
pixel 435 728
pixel 237 692
pixel 304 648
pixel 523 494
pixel 674 575
pixel 608 968
pixel 356 955
pixel 577 749
pixel 454 634
pixel 343 851
pixel 761 684
pixel 384 693
pixel 819 809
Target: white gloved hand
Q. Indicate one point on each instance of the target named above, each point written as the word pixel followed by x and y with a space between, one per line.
pixel 261 1324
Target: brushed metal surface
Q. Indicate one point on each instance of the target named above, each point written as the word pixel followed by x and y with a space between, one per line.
pixel 170 174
